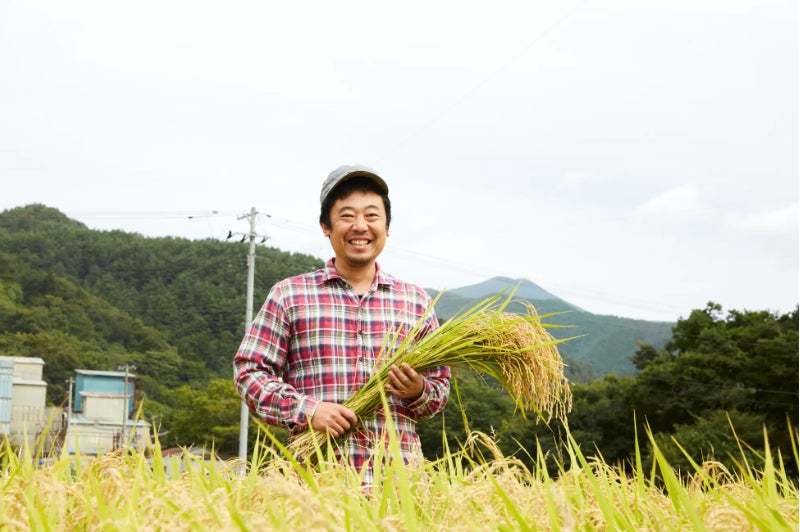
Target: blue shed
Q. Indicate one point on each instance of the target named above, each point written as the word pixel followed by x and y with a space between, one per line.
pixel 111 382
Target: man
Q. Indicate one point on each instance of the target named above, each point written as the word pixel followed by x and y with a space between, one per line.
pixel 316 338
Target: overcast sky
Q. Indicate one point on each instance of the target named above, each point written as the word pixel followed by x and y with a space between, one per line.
pixel 635 158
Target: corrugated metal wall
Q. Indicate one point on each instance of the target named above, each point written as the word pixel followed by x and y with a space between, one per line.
pixel 6 379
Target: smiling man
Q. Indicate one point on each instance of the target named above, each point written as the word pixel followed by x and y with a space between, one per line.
pixel 316 339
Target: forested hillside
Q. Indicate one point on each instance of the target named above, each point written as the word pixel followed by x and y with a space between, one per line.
pixel 719 370
pixel 174 308
pixel 605 344
pixel 191 291
pixel 97 299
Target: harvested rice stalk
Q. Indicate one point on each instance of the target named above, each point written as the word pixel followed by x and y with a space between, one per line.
pixel 514 349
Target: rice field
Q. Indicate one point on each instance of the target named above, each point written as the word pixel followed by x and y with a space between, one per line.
pixel 473 488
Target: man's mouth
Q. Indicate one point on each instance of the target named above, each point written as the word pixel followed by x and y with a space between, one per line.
pixel 359 242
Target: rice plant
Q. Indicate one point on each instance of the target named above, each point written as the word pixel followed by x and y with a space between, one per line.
pixel 473 487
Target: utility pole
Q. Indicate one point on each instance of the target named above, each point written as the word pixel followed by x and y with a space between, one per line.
pixel 69 405
pixel 127 369
pixel 125 406
pixel 244 412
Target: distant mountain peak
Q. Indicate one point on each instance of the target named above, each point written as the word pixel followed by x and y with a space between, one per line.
pixel 509 280
pixel 524 289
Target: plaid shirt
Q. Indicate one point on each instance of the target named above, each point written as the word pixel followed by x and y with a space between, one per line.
pixel 315 339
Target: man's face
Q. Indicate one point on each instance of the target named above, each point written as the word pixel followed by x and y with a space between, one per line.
pixel 358 228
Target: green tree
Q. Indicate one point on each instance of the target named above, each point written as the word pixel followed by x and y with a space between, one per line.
pixel 207 416
pixel 712 438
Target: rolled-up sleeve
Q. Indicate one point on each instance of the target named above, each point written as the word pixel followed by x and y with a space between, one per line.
pixel 259 367
pixel 436 389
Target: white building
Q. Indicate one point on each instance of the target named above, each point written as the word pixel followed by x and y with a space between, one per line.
pixel 28 396
pixel 100 401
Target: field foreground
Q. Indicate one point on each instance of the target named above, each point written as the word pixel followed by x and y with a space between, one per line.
pixel 464 491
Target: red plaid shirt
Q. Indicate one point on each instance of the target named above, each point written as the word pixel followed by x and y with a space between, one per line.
pixel 315 339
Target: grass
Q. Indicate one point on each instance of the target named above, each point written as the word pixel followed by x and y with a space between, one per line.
pixel 473 487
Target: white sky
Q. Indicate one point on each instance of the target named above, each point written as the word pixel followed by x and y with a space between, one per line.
pixel 635 158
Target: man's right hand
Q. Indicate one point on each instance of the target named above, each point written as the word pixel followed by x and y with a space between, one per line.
pixel 333 418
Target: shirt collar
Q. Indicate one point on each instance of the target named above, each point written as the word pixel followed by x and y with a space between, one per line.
pixel 381 278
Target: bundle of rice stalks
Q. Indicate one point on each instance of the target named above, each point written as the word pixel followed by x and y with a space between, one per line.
pixel 514 349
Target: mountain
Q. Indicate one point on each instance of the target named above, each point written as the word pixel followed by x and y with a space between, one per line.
pixel 606 343
pixel 191 294
pixel 522 288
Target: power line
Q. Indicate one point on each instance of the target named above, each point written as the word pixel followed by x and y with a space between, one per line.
pixel 478 272
pixel 292 225
pixel 153 215
pixel 295 226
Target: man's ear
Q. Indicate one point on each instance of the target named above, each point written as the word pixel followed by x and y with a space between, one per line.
pixel 325 230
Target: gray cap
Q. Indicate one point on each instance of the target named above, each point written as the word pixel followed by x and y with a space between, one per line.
pixel 343 173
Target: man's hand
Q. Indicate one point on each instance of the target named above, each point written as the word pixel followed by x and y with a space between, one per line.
pixel 333 418
pixel 405 382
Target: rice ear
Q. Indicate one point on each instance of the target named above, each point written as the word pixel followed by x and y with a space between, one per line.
pixel 515 349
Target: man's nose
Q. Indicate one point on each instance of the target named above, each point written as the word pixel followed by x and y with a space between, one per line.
pixel 360 223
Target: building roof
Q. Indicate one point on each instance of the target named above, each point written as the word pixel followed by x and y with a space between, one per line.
pixel 96 373
pixel 24 360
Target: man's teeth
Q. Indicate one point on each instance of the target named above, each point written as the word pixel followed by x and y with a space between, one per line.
pixel 359 242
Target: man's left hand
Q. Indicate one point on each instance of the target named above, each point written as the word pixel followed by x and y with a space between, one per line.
pixel 405 383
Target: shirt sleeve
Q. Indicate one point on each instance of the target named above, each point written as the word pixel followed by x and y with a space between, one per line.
pixel 436 389
pixel 259 367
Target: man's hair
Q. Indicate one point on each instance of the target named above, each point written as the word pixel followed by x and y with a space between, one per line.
pixel 354 184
